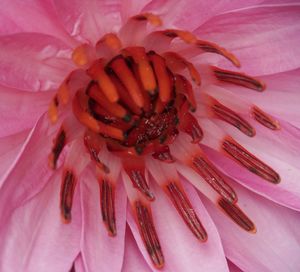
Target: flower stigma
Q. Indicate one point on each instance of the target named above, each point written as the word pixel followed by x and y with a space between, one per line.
pixel 135 96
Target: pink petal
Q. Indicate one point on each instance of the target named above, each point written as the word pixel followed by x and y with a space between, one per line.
pixel 233 267
pixel 79 264
pixel 191 14
pixel 22 16
pixel 275 246
pixel 88 20
pixel 33 61
pixel 130 8
pixel 133 260
pixel 20 110
pixel 182 251
pixel 10 146
pixel 99 250
pixel 33 238
pixel 265 39
pixel 29 172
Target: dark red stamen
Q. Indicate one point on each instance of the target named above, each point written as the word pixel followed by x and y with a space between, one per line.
pixel 212 176
pixel 183 86
pixel 239 79
pixel 66 195
pixel 232 118
pixel 189 124
pixel 148 233
pixel 186 211
pixel 107 203
pixel 237 215
pixel 248 160
pixel 163 154
pixel 58 146
pixel 265 119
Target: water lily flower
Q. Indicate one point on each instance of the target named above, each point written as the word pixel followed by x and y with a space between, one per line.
pixel 149 135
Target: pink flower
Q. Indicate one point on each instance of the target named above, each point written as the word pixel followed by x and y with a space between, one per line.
pixel 131 140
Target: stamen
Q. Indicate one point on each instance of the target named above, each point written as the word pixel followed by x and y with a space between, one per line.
pixel 66 195
pixel 114 109
pixel 162 76
pixel 185 36
pixel 107 203
pixel 80 110
pixel 172 57
pixel 110 40
pixel 57 148
pixel 186 211
pixel 144 67
pixel 97 72
pixel 151 18
pixel 212 176
pixel 237 215
pixel 148 233
pixel 182 85
pixel 81 55
pixel 52 111
pixel 240 79
pixel 246 159
pixel 265 119
pixel 123 72
pixel 189 124
pixel 135 169
pixel 163 154
pixel 214 48
pixel 232 118
pixel 94 144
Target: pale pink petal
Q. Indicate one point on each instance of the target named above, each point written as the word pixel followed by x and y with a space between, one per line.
pixel 79 265
pixel 20 110
pixel 191 14
pixel 31 16
pixel 99 250
pixel 33 61
pixel 133 260
pixel 33 238
pixel 89 20
pixel 275 246
pixel 29 172
pixel 265 39
pixel 10 146
pixel 182 251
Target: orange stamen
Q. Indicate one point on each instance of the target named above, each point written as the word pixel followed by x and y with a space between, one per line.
pixel 110 40
pixel 162 76
pixel 80 55
pixel 151 18
pixel 182 85
pixel 125 75
pixel 97 72
pixel 52 111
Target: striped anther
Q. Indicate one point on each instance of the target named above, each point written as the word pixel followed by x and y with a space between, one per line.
pixel 148 234
pixel 186 211
pixel 237 215
pixel 249 161
pixel 107 204
pixel 265 119
pixel 240 79
pixel 57 148
pixel 66 195
pixel 233 118
pixel 212 176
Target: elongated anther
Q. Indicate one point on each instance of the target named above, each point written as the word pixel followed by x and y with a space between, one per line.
pixel 80 102
pixel 232 118
pixel 182 85
pixel 240 79
pixel 66 195
pixel 123 72
pixel 212 176
pixel 265 119
pixel 162 76
pixel 249 161
pixel 107 204
pixel 185 36
pixel 151 18
pixel 237 215
pixel 81 55
pixel 214 48
pixel 115 109
pixel 110 40
pixel 144 67
pixel 98 73
pixel 148 233
pixel 52 110
pixel 189 124
pixel 185 209
pixel 57 148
